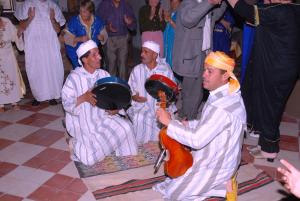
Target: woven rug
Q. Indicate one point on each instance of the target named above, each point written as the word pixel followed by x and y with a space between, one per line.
pixel 147 155
pixel 139 185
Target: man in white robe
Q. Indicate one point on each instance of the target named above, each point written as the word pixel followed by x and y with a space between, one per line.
pixel 215 139
pixel 41 21
pixel 142 111
pixel 95 132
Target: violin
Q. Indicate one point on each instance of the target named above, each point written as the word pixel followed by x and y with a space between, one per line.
pixel 179 158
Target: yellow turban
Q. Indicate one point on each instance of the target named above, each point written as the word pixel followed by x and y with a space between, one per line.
pixel 221 61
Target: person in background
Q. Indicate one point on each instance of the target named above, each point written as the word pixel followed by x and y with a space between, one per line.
pixel 41 21
pixel 83 27
pixel 95 132
pixel 222 33
pixel 152 23
pixel 119 18
pixel 169 32
pixel 274 68
pixel 215 139
pixel 12 87
pixel 193 39
pixel 142 111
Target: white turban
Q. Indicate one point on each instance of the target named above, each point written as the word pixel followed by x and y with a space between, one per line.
pixel 152 46
pixel 84 48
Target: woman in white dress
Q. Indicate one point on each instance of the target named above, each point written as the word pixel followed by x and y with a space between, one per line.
pixel 10 78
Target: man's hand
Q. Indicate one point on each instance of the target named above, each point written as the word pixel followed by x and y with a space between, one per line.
pixel 112 112
pixel 52 14
pixel 81 39
pixel 163 116
pixel 87 97
pixel 100 37
pixel 215 2
pixel 138 98
pixel 110 28
pixel 31 13
pixel 291 177
pixel 128 20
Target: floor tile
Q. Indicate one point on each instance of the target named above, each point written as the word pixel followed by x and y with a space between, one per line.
pixel 61 144
pixel 67 196
pixel 290 129
pixel 59 181
pixel 46 117
pixel 49 159
pixel 45 137
pixel 20 152
pixel 7 197
pixel 28 107
pixel 14 116
pixel 289 143
pixel 6 168
pixel 34 122
pixel 70 170
pixel 56 110
pixel 17 131
pixel 31 175
pixel 16 186
pixel 5 143
pixel 3 124
pixel 56 125
pixel 44 193
pixel 77 186
pixel 271 171
pixel 287 118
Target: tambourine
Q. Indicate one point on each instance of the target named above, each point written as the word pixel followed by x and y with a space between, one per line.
pixel 158 82
pixel 112 93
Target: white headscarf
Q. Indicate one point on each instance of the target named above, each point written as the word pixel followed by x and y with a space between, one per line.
pixel 152 46
pixel 84 48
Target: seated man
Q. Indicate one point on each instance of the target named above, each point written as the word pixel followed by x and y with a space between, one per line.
pixel 215 139
pixel 143 107
pixel 95 132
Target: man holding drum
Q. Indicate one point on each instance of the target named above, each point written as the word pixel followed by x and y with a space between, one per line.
pixel 143 107
pixel 95 132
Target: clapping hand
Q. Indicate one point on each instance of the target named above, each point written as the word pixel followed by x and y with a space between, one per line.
pixel 128 20
pixel 291 177
pixel 163 116
pixel 31 12
pixel 110 28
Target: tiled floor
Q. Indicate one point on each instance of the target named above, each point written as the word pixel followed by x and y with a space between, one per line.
pixel 35 163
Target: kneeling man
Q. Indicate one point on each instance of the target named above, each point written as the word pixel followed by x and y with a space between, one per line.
pixel 215 139
pixel 95 132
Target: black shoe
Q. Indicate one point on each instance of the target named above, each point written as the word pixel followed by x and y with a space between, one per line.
pixel 53 102
pixel 35 102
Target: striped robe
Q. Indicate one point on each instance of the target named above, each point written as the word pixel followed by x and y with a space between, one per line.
pixel 216 140
pixel 95 133
pixel 146 128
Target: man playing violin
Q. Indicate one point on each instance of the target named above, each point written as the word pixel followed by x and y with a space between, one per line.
pixel 95 132
pixel 215 139
pixel 143 107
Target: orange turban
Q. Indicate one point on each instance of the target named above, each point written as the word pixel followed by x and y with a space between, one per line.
pixel 221 61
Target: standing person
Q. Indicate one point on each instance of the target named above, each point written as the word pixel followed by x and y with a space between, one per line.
pixel 274 68
pixel 41 21
pixel 11 80
pixel 82 28
pixel 142 111
pixel 119 18
pixel 222 33
pixel 95 132
pixel 216 139
pixel 193 38
pixel 152 23
pixel 169 32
